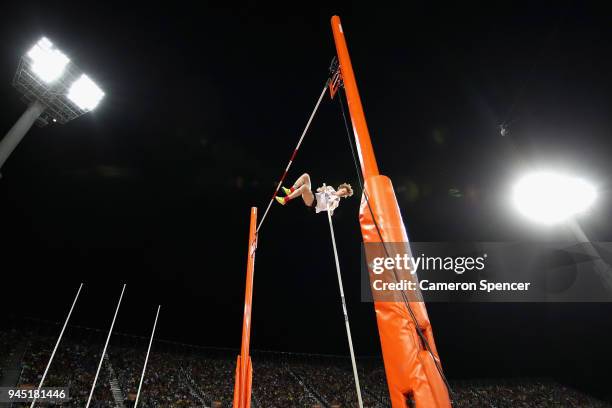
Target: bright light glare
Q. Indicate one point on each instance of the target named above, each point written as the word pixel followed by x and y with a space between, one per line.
pixel 48 63
pixel 85 93
pixel 549 198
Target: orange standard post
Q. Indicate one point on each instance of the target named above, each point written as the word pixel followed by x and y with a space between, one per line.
pixel 410 368
pixel 244 371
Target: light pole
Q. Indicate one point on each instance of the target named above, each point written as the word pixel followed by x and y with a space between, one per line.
pixel 55 90
pixel 19 129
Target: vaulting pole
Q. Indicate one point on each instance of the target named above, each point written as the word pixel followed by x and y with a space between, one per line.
pixel 110 332
pixel 59 339
pixel 144 368
pixel 411 368
pixel 344 310
pixel 244 371
pixel 280 182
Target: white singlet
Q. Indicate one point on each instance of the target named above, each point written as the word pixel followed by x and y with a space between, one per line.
pixel 327 198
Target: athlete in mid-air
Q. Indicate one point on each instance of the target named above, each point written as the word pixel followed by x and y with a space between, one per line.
pixel 326 198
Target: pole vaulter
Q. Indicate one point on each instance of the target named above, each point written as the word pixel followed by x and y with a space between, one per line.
pixel 244 370
pixel 412 365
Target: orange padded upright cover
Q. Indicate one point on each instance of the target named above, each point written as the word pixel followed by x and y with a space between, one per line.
pixel 409 367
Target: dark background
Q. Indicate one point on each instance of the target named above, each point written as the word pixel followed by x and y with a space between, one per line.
pixel 203 107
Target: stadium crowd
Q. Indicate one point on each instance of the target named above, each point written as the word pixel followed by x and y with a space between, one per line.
pixel 194 377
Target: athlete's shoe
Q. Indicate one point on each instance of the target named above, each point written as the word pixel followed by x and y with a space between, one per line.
pixel 287 190
pixel 281 200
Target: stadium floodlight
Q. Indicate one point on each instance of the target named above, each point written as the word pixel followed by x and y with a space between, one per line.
pixel 48 63
pixel 55 89
pixel 85 93
pixel 551 198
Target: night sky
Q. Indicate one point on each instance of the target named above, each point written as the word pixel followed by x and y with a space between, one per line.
pixel 203 108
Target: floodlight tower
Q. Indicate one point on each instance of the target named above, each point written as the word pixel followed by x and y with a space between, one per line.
pixel 55 90
pixel 549 198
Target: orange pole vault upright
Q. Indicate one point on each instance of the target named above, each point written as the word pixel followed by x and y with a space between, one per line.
pixel 412 375
pixel 244 370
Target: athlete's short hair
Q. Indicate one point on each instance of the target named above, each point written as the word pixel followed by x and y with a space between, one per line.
pixel 348 188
